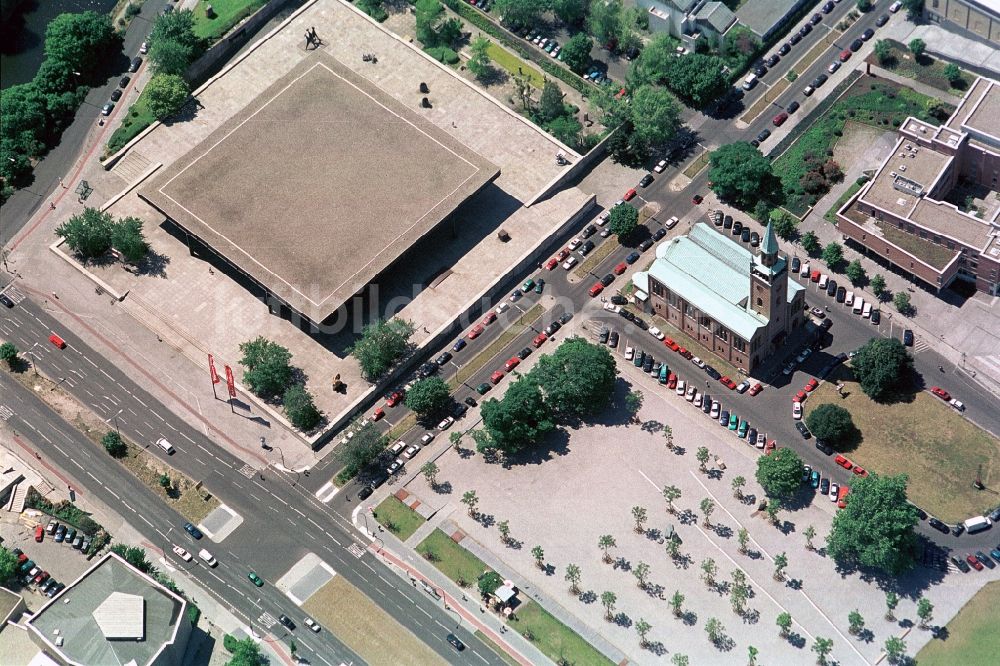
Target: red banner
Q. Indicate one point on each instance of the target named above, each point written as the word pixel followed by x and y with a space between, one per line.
pixel 211 366
pixel 230 383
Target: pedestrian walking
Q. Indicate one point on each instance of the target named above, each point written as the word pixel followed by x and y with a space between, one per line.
pixel 52 205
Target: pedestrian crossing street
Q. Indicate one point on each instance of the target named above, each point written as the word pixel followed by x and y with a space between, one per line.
pixel 14 294
pixel 920 344
pixel 248 471
pixel 356 550
pixel 5 412
pixel 266 620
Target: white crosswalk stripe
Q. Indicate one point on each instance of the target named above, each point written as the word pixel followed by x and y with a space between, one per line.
pixel 5 412
pixel 355 550
pixel 248 471
pixel 14 294
pixel 266 620
pixel 920 345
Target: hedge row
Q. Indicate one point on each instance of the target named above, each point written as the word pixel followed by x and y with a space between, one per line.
pixel 477 19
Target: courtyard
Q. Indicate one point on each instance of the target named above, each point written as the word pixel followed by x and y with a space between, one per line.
pixel 584 484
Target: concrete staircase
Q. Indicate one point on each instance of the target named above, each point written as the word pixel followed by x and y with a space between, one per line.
pixel 17 496
pixel 131 167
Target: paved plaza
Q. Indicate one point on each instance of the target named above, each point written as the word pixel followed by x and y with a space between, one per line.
pixel 585 485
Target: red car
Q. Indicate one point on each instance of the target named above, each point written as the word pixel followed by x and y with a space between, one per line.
pixel 496 376
pixel 669 342
pixel 562 254
pixel 771 446
pixel 539 340
pixel 672 381
pixel 620 268
pixel 845 55
pixel 41 577
pixel 39 533
pixel 596 289
pixel 551 263
pixel 860 471
pixel 394 399
pixel 941 393
pixel 476 331
pixel 57 341
pixel 756 388
pixel 727 382
pixel 843 462
pixel 810 385
pixel 685 353
pixel 779 119
pixel 815 276
pixel 629 195
pixel 511 363
pixel 842 497
pixel 378 413
pixel 490 318
pixel 800 396
pixel 974 562
pixel 697 199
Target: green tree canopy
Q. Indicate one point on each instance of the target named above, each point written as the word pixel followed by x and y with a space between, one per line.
pixel 902 301
pixel 740 174
pixel 696 78
pixel 917 47
pixel 550 106
pixel 605 20
pixel 8 354
pixel 173 45
pixel 833 254
pixel 785 225
pixel 883 51
pixel 780 474
pixel 300 407
pixel 520 419
pixel 880 365
pixel 127 238
pixel 88 233
pixel 8 564
pixel 952 73
pixel 914 9
pixel 246 653
pixel 577 380
pixel 855 272
pixel 166 94
pixel 830 422
pixel 114 445
pixel 428 397
pixel 622 220
pixel 362 449
pixel 382 344
pixel 267 367
pixel 518 13
pixel 810 243
pixel 877 285
pixel 84 41
pixel 576 52
pixel 876 528
pixel 655 116
pixel 489 582
pixel 570 12
pixel 135 556
pixel 479 59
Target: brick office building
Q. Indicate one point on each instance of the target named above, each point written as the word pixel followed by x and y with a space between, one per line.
pixel 909 213
pixel 740 306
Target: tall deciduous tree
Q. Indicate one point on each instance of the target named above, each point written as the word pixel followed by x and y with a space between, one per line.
pixel 428 396
pixel 246 653
pixel 520 419
pixel 784 622
pixel 830 422
pixel 605 20
pixel 301 409
pixel 8 564
pixel 88 233
pixel 608 600
pixel 267 366
pixel 855 272
pixel 780 474
pixel 8 354
pixel 810 243
pixel 570 12
pixel 822 647
pixel 382 343
pixel 877 285
pixel 622 220
pixel 833 254
pixel 362 449
pixel 784 224
pixel 114 444
pixel 917 47
pixel 573 578
pixel 127 238
pixel 173 45
pixel 656 116
pixel 578 379
pixel 550 106
pixel 883 51
pixel 166 94
pixel 576 52
pixel 902 302
pixel 479 60
pixel 876 528
pixel 84 40
pixel 879 366
pixel 740 174
pixel 520 12
pixel 696 78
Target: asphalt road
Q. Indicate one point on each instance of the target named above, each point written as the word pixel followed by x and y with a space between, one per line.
pixel 57 163
pixel 282 520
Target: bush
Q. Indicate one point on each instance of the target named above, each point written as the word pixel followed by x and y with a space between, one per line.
pixel 442 54
pixel 65 511
pixel 300 408
pixel 114 445
pixel 230 643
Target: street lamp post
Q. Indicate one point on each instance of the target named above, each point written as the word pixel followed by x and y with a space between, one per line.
pixel 115 417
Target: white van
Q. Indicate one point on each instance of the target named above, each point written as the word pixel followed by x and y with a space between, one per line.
pixel 866 312
pixel 750 81
pixel 207 557
pixel 849 301
pixel 165 445
pixel 859 306
pixel 823 280
pixel 977 524
pixel 805 271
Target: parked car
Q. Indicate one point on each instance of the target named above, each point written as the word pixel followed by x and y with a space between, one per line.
pixel 882 20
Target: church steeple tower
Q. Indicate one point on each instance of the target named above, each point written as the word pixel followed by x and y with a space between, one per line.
pixel 769 280
pixel 769 246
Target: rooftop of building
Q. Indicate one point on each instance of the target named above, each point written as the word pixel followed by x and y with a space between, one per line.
pixel 906 176
pixel 713 273
pixel 980 104
pixel 112 614
pixel 319 184
pixel 716 15
pixel 762 15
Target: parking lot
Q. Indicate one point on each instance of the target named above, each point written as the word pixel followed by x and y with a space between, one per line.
pixel 61 561
pixel 585 484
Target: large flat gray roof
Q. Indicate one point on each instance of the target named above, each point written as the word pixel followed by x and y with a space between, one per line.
pixel 71 613
pixel 319 184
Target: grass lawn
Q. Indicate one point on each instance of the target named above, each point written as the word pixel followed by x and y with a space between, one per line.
pixel 136 119
pixel 453 561
pixel 227 14
pixel 364 627
pixel 972 634
pixel 554 638
pixel 398 518
pixel 695 167
pixel 882 104
pixel 925 70
pixel 924 438
pixel 514 65
pixel 484 357
pixel 831 215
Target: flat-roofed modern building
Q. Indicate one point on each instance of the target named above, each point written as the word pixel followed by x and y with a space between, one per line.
pixel 113 614
pixel 979 19
pixel 911 211
pixel 739 305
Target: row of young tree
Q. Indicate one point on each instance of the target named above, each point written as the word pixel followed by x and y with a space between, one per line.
pixel 80 51
pixel 93 233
